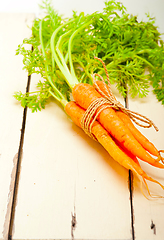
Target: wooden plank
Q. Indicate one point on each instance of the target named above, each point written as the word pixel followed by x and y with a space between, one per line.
pixel 13 28
pixel 148 215
pixel 66 176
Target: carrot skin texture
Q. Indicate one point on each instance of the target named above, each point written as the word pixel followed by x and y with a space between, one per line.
pixel 146 144
pixel 84 94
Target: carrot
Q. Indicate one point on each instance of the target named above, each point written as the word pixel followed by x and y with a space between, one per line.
pixel 76 113
pixel 84 94
pixel 123 158
pixel 139 172
pixel 136 133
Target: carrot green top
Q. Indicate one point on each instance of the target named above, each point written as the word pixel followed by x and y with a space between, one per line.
pixel 63 53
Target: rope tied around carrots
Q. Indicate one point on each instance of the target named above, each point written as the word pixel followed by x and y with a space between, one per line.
pixel 108 100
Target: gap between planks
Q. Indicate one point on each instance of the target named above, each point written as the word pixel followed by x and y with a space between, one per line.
pixel 10 215
pixel 130 185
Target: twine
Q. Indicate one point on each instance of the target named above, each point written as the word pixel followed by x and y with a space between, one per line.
pixel 91 115
pixel 109 100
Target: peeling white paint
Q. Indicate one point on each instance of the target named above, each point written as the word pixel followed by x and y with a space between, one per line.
pixel 10 199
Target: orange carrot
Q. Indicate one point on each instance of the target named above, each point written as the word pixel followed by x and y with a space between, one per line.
pixel 136 133
pixel 76 113
pixel 139 171
pixel 84 94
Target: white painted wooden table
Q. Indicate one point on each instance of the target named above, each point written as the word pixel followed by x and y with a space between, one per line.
pixel 69 187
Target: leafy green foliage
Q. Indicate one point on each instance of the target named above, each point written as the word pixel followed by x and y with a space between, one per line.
pixel 35 100
pixel 127 47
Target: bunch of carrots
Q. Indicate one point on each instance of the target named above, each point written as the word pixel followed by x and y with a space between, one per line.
pixel 93 108
pixel 114 130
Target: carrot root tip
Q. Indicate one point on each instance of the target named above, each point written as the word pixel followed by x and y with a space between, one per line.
pixel 142 180
pixel 152 196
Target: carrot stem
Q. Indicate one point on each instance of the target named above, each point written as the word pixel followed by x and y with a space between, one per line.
pixel 58 93
pixel 72 81
pixel 70 46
